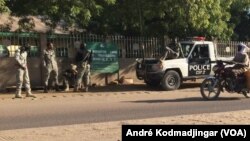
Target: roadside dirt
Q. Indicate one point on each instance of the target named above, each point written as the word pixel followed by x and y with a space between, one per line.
pixel 111 131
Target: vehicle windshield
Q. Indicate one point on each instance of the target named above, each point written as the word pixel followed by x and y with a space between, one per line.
pixel 186 48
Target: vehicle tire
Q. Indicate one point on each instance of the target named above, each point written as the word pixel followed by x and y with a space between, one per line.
pixel 138 76
pixel 152 83
pixel 209 87
pixel 171 80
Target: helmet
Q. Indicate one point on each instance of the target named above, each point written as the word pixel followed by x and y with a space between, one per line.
pixel 241 47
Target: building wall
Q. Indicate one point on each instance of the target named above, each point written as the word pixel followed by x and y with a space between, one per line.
pixel 129 48
pixel 8 72
pixel 36 70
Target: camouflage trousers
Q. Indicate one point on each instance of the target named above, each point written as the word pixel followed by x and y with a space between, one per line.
pixel 68 81
pixel 83 75
pixel 22 77
pixel 48 73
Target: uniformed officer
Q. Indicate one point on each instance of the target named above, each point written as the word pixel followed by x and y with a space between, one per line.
pixel 83 60
pixel 69 76
pixel 22 75
pixel 50 64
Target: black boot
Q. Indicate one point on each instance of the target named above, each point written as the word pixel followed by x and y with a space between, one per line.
pixel 86 89
pixel 45 90
pixel 57 88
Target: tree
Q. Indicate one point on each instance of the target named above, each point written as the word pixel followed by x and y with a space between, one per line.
pixel 175 18
pixel 241 19
pixel 3 7
pixel 242 30
pixel 121 18
pixel 68 13
pixel 210 17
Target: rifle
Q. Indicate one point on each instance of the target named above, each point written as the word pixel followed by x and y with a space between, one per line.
pixel 90 57
pixel 87 58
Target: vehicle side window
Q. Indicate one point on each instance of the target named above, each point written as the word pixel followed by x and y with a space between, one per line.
pixel 186 48
pixel 204 52
pixel 195 53
pixel 199 52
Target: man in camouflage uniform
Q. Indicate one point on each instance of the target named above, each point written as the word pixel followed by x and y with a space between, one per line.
pixel 50 64
pixel 83 60
pixel 172 51
pixel 22 74
pixel 69 76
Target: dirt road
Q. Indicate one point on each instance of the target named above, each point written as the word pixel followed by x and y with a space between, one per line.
pixel 111 131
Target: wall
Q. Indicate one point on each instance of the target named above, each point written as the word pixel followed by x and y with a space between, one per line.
pixel 8 72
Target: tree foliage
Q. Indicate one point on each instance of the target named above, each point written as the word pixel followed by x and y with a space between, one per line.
pixel 174 18
pixel 221 19
pixel 3 7
pixel 241 19
pixel 67 12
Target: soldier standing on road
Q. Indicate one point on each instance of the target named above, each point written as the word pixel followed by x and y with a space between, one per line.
pixel 83 60
pixel 50 64
pixel 22 74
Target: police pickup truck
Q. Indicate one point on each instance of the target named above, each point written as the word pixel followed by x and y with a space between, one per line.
pixel 192 62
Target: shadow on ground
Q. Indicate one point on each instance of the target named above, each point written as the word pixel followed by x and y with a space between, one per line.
pixel 120 88
pixel 190 99
pixel 137 87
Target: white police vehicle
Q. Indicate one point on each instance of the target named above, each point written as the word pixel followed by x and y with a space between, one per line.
pixel 193 62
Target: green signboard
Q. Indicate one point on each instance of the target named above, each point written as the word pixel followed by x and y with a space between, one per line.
pixel 104 57
pixel 3 51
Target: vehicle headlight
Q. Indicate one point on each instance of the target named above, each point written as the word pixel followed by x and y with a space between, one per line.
pixel 215 68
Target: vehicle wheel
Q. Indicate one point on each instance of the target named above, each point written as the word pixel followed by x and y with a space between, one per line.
pixel 152 83
pixel 210 89
pixel 171 80
pixel 139 76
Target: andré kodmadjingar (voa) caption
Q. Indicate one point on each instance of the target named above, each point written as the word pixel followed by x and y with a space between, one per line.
pixel 206 132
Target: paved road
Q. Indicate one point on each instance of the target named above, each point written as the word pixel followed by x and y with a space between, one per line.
pixel 99 105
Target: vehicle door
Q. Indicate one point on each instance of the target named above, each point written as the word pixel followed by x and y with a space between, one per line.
pixel 199 61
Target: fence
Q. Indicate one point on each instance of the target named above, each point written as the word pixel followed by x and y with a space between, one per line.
pixel 65 44
pixel 10 41
pixel 228 48
pixel 128 47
